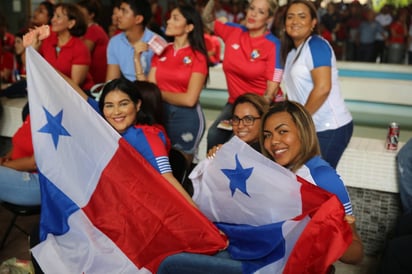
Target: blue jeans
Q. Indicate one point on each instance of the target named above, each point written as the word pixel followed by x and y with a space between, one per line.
pixel 334 142
pixel 404 161
pixel 217 136
pixel 190 263
pixel 184 126
pixel 19 187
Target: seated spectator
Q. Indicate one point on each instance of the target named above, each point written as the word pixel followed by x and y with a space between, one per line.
pixel 42 15
pixel 19 181
pixel 132 19
pixel 95 39
pixel 398 253
pixel 64 49
pixel 6 38
pixel 404 168
pixel 247 113
pixel 288 137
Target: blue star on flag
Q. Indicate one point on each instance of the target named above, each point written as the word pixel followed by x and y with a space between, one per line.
pixel 238 177
pixel 54 126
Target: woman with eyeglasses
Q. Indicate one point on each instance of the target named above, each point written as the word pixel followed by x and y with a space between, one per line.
pixel 251 60
pixel 246 116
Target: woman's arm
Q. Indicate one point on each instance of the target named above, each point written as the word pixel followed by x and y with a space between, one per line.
pixel 21 164
pixel 139 47
pixel 191 97
pixel 322 83
pixel 79 73
pixel 89 44
pixel 112 72
pixel 354 253
pixel 208 15
pixel 271 90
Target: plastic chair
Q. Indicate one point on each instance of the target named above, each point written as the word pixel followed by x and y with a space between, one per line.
pixel 17 210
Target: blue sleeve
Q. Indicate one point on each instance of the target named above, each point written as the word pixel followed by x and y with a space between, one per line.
pixel 321 52
pixel 277 43
pixel 327 179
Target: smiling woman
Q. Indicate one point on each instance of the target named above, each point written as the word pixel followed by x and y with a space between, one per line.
pixel 311 78
pixel 251 60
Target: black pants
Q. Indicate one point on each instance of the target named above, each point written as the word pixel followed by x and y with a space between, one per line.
pixel 397 256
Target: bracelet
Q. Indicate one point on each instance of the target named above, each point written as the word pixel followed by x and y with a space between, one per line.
pixel 139 73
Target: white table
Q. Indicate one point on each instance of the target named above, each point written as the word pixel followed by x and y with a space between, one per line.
pixel 366 163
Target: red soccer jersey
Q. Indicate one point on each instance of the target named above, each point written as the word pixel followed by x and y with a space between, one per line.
pixel 99 37
pixel 174 68
pixel 249 62
pixel 213 45
pixel 22 141
pixel 74 52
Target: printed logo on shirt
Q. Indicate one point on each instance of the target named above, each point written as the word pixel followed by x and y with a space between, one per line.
pixel 236 46
pixel 187 60
pixel 255 54
pixel 162 59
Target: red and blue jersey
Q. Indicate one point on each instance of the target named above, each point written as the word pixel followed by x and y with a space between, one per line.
pixel 249 62
pixel 175 67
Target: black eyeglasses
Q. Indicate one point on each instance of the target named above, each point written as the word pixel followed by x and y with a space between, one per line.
pixel 248 120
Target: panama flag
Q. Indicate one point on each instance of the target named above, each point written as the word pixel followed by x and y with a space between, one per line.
pixel 275 222
pixel 104 208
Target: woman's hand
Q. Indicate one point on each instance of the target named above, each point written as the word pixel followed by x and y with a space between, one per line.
pixel 139 47
pixel 35 36
pixel 212 152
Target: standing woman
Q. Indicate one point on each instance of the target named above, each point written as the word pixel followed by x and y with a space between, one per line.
pixel 96 39
pixel 64 49
pixel 251 60
pixel 311 78
pixel 180 72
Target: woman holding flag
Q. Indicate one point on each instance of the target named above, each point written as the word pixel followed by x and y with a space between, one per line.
pixel 288 137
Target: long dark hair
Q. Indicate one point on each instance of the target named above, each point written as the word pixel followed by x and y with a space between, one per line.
pixel 93 7
pixel 196 36
pixel 123 85
pixel 286 40
pixel 151 110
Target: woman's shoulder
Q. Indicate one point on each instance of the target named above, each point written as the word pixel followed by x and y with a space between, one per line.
pixel 320 169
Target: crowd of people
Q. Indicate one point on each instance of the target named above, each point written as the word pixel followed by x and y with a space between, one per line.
pixel 154 69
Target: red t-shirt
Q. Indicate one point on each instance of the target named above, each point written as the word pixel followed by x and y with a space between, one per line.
pixel 74 52
pixel 99 37
pixel 213 44
pixel 22 141
pixel 174 68
pixel 249 62
pixel 399 29
pixel 6 62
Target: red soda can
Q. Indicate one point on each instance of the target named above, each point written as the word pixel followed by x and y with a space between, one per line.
pixel 393 136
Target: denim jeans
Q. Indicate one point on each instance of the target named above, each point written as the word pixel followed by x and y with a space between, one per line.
pixel 217 136
pixel 334 142
pixel 404 161
pixel 19 187
pixel 190 263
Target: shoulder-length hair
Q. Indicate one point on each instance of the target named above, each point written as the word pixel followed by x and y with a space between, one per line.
pixel 74 13
pixel 306 131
